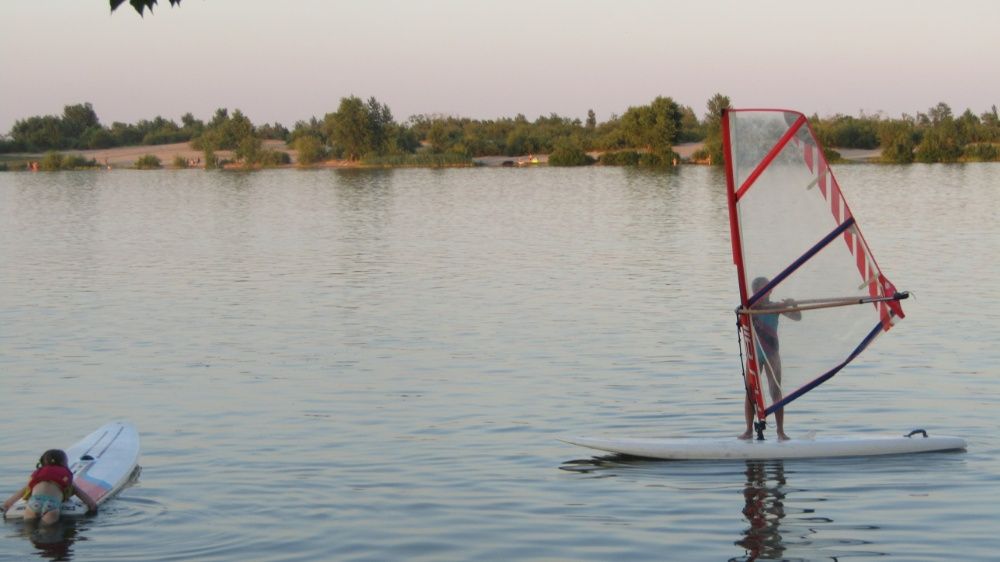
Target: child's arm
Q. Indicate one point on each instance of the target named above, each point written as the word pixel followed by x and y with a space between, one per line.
pixel 13 499
pixel 91 504
pixel 793 314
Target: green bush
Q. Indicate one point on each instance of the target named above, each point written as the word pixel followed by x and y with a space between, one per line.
pixel 980 152
pixel 249 150
pixel 420 160
pixel 621 158
pixel 569 153
pixel 832 156
pixel 180 161
pixel 310 150
pixel 211 160
pixel 51 162
pixel 148 162
pixel 77 162
pixel 271 158
pixel 655 160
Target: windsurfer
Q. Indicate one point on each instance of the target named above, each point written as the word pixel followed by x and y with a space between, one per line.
pixel 765 327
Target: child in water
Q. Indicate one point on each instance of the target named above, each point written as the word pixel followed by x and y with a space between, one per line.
pixel 50 485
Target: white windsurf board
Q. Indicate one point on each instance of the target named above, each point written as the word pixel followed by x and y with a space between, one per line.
pixel 102 463
pixel 698 448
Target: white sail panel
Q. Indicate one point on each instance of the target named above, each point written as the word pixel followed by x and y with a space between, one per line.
pixel 798 252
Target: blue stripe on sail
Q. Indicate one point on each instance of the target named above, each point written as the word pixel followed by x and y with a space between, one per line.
pixel 829 374
pixel 802 259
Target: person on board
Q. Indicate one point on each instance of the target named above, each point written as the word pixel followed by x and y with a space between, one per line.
pixel 50 485
pixel 765 327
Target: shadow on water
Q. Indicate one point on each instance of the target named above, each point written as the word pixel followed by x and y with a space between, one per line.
pixel 764 508
pixel 53 542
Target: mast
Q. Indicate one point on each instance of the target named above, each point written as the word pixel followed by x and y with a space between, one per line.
pixel 751 375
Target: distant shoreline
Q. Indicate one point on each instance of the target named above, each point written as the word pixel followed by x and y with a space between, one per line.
pixel 126 156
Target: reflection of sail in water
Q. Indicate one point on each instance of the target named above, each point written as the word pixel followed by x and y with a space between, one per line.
pixel 764 494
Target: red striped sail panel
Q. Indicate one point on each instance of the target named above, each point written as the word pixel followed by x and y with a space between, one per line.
pixel 787 213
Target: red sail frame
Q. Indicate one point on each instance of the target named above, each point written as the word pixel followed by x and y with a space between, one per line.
pixel 879 291
pixel 751 376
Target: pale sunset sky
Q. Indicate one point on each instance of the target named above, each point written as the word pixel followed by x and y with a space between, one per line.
pixel 291 60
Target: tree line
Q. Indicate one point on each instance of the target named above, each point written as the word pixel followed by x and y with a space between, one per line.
pixel 937 135
pixel 365 130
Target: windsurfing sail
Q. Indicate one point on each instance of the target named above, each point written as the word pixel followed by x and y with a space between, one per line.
pixel 812 296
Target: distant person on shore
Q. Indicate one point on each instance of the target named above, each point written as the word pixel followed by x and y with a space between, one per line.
pixel 765 328
pixel 50 485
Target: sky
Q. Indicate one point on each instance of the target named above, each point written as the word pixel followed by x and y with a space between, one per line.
pixel 295 59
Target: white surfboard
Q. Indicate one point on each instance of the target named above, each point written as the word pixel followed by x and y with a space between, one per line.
pixel 696 448
pixel 102 463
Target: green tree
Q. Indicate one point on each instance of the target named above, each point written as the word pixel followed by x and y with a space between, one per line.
pixel 225 132
pixel 237 129
pixel 249 150
pixel 939 144
pixel 991 124
pixel 277 131
pixel 713 127
pixel 97 137
pixel 690 129
pixel 125 134
pixel 521 140
pixel 219 119
pixel 313 127
pixel 438 137
pixel 77 119
pixel 162 131
pixel 211 160
pixel 845 131
pixel 654 127
pixel 941 137
pixel 939 113
pixel 609 135
pixel 349 128
pixel 310 149
pixel 192 126
pixel 404 139
pixel 569 152
pixel 969 128
pixel 897 141
pixel 39 133
pixel 380 125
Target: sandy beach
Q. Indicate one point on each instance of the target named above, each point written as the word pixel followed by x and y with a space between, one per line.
pixel 125 157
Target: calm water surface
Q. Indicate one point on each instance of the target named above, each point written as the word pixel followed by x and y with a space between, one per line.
pixel 377 365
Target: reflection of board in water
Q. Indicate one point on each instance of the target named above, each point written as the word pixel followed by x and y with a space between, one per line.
pixel 103 463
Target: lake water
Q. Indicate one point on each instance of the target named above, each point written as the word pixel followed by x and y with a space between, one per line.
pixel 376 365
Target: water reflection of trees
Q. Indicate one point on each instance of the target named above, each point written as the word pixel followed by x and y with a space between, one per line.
pixel 764 509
